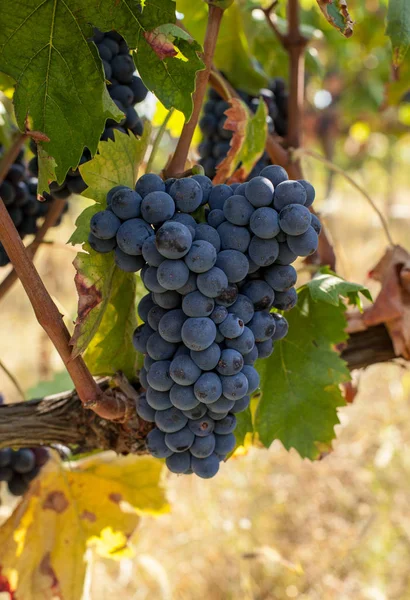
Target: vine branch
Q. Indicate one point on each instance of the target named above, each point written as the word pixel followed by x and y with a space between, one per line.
pixel 177 164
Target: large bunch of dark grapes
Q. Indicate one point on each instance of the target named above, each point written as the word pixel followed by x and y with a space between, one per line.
pixel 19 193
pixel 125 88
pixel 19 467
pixel 212 287
pixel 215 144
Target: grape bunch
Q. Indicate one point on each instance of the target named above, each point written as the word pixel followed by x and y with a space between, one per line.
pixel 19 193
pixel 126 90
pixel 19 467
pixel 216 140
pixel 212 285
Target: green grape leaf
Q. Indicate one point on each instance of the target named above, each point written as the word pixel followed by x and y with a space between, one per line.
pixel 329 287
pixel 106 306
pixel 233 54
pixel 300 381
pixel 166 57
pixel 398 28
pixel 247 143
pixel 60 84
pixel 337 14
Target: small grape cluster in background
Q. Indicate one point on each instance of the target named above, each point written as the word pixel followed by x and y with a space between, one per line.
pixel 216 140
pixel 125 88
pixel 212 285
pixel 19 467
pixel 19 193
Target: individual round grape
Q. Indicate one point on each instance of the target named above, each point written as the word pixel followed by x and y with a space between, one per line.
pixel 250 357
pixel 201 257
pixel 182 351
pixel 243 343
pixel 305 244
pixel 253 267
pixel 104 224
pixel 294 219
pixel 150 278
pixel 289 192
pixel 233 237
pixel 149 183
pixel 187 194
pixel 259 293
pixel 6 473
pixel 238 210
pixel 219 338
pixel 310 191
pixel 265 223
pixel 172 274
pixel 263 252
pixel 138 88
pixel 225 425
pixel 208 388
pixel 5 457
pixel 253 378
pixel 241 405
pixel 218 416
pixel 144 306
pixel 196 304
pixel 184 371
pixel 186 220
pixel 101 246
pixel 280 277
pixel 173 240
pixel 143 378
pixel 141 337
pixel 183 397
pixel 208 234
pixel 148 362
pixel 265 348
pixel 197 412
pixel 131 236
pixel 23 461
pixel 219 314
pixel 235 387
pixel 150 253
pixel 224 444
pixel 144 410
pixel 282 327
pixel 158 400
pixel 126 204
pixel 206 468
pixel 127 263
pixel 170 420
pixel 286 300
pixel 228 295
pixel 259 191
pixel 198 333
pixel 179 462
pixel 219 194
pixel 242 308
pixel 154 316
pixel 17 485
pixel 169 299
pixel 160 349
pixel 155 442
pixel 122 93
pixel 230 363
pixel 285 256
pixel 159 377
pixel 206 185
pixel 181 440
pixel 207 359
pixel 157 207
pixel 275 174
pixel 232 327
pixel 262 326
pixel 190 285
pixel 215 218
pixel 234 264
pixel 202 427
pixel 171 324
pixel 315 223
pixel 212 283
pixel 203 446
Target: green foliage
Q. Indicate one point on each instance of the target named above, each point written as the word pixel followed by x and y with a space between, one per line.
pixel 398 28
pixel 328 287
pixel 60 382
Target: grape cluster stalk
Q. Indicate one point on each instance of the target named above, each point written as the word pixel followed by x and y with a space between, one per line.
pixel 216 261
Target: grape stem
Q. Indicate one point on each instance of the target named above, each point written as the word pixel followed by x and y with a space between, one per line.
pixel 177 163
pixel 107 406
pixel 158 138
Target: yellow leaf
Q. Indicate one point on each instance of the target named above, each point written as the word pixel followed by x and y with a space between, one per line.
pixel 96 501
pixel 175 123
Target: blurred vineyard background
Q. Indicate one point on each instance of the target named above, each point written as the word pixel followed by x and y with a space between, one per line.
pixel 272 526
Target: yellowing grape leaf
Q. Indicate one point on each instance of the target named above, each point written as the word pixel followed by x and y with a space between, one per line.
pixel 69 507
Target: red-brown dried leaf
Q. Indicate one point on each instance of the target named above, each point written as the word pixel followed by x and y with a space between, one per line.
pixel 160 43
pixel 236 121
